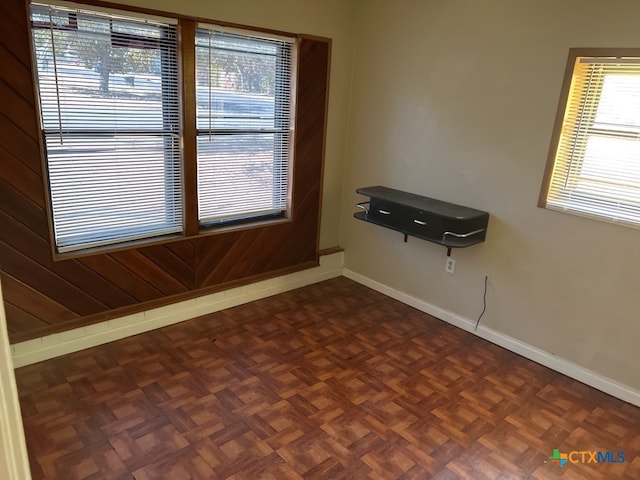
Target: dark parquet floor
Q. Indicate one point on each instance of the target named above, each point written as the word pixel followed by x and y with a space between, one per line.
pixel 331 381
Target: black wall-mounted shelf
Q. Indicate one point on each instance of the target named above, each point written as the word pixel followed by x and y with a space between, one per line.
pixel 447 224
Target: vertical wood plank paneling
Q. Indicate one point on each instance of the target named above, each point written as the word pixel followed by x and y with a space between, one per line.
pixel 44 294
pixel 313 91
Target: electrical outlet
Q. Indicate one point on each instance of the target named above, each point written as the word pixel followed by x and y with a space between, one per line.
pixel 450 265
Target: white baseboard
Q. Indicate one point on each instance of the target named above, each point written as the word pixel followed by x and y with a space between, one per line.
pixel 570 369
pixel 44 348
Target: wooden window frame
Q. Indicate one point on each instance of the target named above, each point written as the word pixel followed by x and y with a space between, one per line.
pixel 564 129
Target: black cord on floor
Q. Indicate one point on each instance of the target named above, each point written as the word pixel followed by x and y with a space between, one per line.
pixel 484 301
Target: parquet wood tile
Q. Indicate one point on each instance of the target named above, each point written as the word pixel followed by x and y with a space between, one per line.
pixel 331 381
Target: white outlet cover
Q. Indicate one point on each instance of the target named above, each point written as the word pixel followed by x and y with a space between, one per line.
pixel 450 265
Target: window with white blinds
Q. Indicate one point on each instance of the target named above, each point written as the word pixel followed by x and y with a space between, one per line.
pixel 108 91
pixel 595 169
pixel 244 102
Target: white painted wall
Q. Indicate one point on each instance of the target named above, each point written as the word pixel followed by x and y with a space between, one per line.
pixel 456 100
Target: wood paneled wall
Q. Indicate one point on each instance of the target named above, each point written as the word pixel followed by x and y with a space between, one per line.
pixel 43 296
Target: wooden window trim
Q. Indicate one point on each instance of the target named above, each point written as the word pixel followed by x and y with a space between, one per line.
pixel 186 39
pixel 573 56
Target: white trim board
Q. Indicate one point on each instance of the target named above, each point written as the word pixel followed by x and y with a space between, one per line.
pixel 570 369
pixel 14 462
pixel 57 344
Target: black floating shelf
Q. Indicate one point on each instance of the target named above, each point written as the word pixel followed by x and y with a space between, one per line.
pixel 447 224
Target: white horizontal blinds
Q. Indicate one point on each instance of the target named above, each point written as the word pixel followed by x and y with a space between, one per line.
pixel 244 122
pixel 109 106
pixel 597 166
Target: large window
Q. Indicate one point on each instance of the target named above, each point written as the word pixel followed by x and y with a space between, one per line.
pixel 111 107
pixel 244 100
pixel 594 159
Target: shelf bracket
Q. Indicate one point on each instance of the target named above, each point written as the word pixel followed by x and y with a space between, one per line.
pixel 364 206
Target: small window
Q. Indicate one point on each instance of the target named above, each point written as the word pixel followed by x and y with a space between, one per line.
pixel 593 168
pixel 108 91
pixel 244 104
